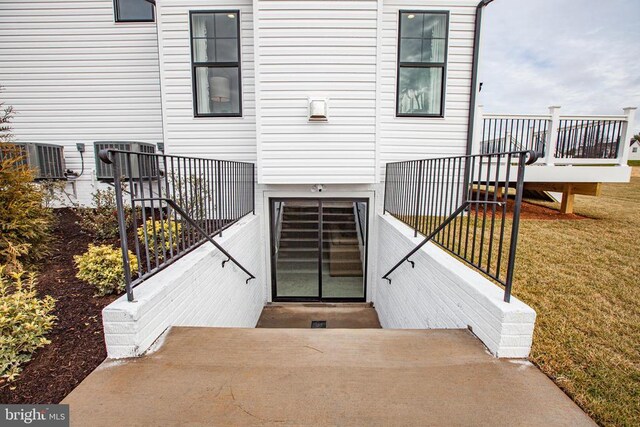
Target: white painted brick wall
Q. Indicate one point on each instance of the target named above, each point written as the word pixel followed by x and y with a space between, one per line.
pixel 442 292
pixel 195 291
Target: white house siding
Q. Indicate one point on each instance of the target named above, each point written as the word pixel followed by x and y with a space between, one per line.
pixel 403 138
pixel 230 138
pixel 634 155
pixel 324 49
pixel 74 75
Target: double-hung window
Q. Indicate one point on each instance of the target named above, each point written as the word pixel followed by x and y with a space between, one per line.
pixel 133 11
pixel 422 58
pixel 215 59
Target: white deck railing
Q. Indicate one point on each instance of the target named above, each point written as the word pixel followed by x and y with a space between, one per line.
pixel 560 139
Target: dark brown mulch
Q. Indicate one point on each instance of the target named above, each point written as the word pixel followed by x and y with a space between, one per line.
pixel 77 343
pixel 528 210
pixel 531 210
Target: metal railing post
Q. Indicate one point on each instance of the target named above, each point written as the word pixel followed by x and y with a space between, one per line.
pixel 386 188
pixel 219 191
pixel 122 226
pixel 513 244
pixel 418 198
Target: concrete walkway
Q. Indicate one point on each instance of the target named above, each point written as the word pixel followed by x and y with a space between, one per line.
pixel 218 376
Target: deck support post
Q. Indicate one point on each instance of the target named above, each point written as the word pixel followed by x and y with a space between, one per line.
pixel 568 197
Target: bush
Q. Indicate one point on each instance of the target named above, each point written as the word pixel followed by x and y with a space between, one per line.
pixel 102 221
pixel 24 220
pixel 53 192
pixel 161 228
pixel 24 321
pixel 102 267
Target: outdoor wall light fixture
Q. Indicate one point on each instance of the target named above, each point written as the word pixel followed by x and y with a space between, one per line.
pixel 318 111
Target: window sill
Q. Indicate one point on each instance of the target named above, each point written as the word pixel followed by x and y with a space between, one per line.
pixel 135 22
pixel 208 116
pixel 420 116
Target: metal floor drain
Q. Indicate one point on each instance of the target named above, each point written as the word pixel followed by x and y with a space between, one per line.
pixel 318 324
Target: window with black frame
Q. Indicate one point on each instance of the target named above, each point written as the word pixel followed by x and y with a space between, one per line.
pixel 422 58
pixel 133 11
pixel 215 54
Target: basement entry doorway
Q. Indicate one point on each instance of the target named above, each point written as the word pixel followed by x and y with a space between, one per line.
pixel 319 249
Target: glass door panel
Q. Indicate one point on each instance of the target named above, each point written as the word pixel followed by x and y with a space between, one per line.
pixel 296 248
pixel 344 225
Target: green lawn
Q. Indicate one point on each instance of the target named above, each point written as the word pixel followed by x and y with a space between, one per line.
pixel 582 276
pixel 634 162
pixel 583 279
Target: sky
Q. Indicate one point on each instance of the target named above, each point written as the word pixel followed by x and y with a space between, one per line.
pixel 583 55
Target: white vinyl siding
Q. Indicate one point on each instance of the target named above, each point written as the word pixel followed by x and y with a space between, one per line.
pixel 74 75
pixel 405 138
pixel 228 138
pixel 316 49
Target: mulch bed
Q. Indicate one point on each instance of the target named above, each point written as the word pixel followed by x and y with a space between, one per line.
pixel 77 341
pixel 528 210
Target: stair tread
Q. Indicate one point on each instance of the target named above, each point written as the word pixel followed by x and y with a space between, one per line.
pixel 311 230
pixel 301 221
pixel 346 273
pixel 339 261
pixel 343 249
pixel 315 249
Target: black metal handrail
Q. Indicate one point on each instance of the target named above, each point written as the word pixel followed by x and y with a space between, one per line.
pixel 184 203
pixel 461 203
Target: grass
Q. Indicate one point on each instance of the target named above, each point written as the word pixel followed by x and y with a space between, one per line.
pixel 633 162
pixel 583 279
pixel 582 276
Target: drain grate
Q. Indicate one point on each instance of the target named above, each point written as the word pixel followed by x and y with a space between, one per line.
pixel 315 324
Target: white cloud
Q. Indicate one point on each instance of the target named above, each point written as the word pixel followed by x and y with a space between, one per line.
pixel 581 54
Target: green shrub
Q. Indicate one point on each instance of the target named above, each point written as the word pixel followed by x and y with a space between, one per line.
pixel 25 222
pixel 24 321
pixel 102 267
pixel 102 220
pixel 161 228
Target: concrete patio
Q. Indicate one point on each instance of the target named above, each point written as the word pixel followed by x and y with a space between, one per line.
pixel 233 376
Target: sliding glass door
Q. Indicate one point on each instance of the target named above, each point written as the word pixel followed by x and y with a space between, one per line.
pixel 318 249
